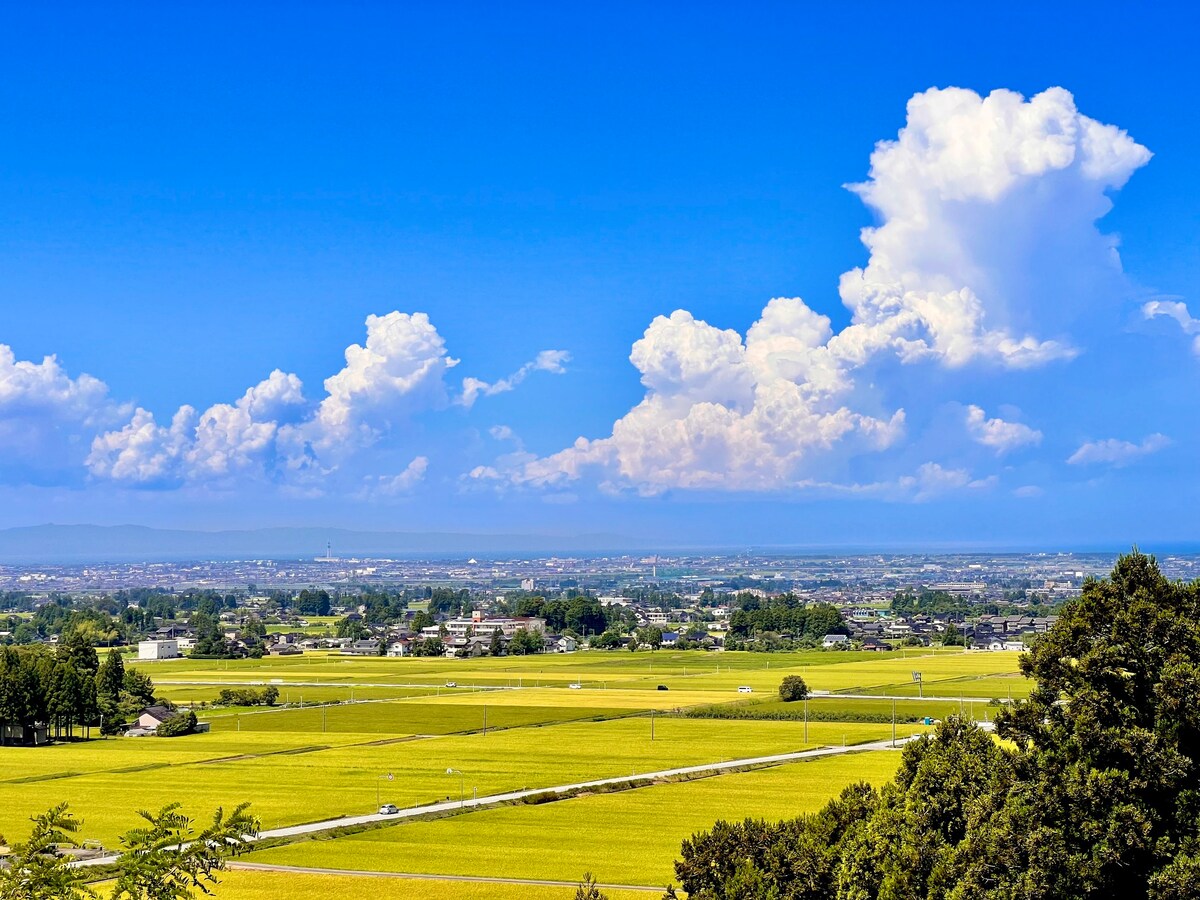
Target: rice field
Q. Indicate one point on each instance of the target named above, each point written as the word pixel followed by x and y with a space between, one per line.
pixel 551 720
pixel 248 885
pixel 297 777
pixel 631 837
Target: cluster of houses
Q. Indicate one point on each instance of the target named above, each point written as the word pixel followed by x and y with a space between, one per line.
pixel 875 630
pixel 869 627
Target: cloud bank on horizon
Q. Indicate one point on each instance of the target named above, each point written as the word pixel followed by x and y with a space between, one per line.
pixel 985 257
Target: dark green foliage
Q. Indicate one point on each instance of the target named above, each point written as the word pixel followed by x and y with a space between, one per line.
pixel 792 860
pixel 1096 797
pixel 57 691
pixel 525 641
pixel 178 725
pixel 351 628
pixel 429 646
pixel 247 696
pixel 784 615
pixel 792 688
pixel 312 603
pixel 587 889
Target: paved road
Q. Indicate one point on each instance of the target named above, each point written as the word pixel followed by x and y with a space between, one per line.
pixel 821 696
pixel 306 870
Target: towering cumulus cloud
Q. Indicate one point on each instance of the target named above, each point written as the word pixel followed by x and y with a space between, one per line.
pixel 986 253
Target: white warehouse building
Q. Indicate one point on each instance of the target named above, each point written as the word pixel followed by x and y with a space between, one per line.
pixel 158 650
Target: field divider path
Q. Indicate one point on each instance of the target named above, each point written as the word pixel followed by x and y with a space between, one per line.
pixel 475 803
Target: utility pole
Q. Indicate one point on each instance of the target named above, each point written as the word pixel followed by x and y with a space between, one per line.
pixel 651 724
pixel 806 720
pixel 893 722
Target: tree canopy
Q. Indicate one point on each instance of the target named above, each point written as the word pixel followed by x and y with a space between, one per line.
pixel 1094 794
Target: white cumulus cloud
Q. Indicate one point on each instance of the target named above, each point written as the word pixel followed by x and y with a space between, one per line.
pixel 47 417
pixel 272 431
pixel 934 480
pixel 1177 310
pixel 400 368
pixel 396 485
pixel 986 253
pixel 553 361
pixel 1116 452
pixel 998 434
pixel 224 440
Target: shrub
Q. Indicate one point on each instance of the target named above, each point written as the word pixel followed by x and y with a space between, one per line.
pixel 179 724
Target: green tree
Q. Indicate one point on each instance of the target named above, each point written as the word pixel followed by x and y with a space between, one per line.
pixel 525 641
pixel 792 688
pixel 496 647
pixel 1094 792
pixel 351 628
pixel 952 637
pixel 651 636
pixel 110 679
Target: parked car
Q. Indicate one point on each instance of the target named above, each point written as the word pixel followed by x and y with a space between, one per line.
pixel 745 689
pixel 388 809
pixel 663 687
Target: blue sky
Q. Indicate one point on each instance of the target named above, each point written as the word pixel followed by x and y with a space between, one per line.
pixel 195 197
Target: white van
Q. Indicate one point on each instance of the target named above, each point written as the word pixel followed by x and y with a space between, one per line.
pixel 745 689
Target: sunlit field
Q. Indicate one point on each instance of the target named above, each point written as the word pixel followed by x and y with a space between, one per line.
pixel 248 885
pixel 550 720
pixel 630 837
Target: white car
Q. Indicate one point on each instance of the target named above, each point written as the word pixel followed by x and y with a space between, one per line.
pixel 388 809
pixel 574 685
pixel 451 684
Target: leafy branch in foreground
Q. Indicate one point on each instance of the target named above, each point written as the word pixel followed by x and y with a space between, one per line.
pixel 588 890
pixel 36 870
pixel 167 859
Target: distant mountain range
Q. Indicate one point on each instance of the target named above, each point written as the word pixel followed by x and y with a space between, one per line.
pixel 133 543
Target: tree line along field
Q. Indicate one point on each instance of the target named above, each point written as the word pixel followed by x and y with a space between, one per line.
pixel 319 762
